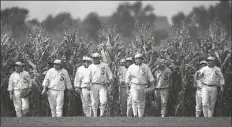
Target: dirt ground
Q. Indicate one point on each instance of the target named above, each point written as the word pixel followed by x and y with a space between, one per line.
pixel 116 121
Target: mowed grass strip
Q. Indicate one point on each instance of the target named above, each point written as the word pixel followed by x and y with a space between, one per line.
pixel 116 121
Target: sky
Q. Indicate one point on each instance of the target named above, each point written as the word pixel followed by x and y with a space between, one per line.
pixel 80 9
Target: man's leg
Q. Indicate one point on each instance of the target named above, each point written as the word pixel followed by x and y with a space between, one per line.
pixel 25 106
pixel 141 100
pixel 123 100
pixel 17 103
pixel 134 97
pixel 60 103
pixel 129 106
pixel 157 102
pixel 198 103
pixel 52 101
pixel 212 100
pixel 205 100
pixel 94 99
pixel 103 99
pixel 85 101
pixel 164 100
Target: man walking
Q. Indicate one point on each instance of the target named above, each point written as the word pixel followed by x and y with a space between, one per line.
pixel 129 112
pixel 212 77
pixel 139 76
pixel 19 88
pixel 162 88
pixel 198 84
pixel 125 108
pixel 54 84
pixel 100 78
pixel 82 85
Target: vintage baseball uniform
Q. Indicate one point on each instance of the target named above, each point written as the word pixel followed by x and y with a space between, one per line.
pixel 138 76
pixel 198 85
pixel 162 89
pixel 99 75
pixel 212 77
pixel 82 81
pixel 57 81
pixel 18 82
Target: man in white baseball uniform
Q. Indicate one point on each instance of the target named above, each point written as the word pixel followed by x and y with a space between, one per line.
pixel 198 84
pixel 125 102
pixel 82 85
pixel 19 82
pixel 138 76
pixel 212 77
pixel 162 88
pixel 100 78
pixel 54 84
pixel 129 112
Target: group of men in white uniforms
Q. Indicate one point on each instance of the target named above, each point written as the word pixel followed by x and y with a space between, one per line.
pixel 135 80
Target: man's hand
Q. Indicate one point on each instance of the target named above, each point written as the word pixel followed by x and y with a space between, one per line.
pixel 127 92
pixel 78 90
pixel 11 96
pixel 44 91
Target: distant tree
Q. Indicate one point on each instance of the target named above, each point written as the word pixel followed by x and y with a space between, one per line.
pixel 91 24
pixel 178 19
pixel 15 18
pixel 128 15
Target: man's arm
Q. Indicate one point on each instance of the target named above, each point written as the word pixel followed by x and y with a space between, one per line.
pixel 77 81
pixel 222 80
pixel 46 82
pixel 10 87
pixel 127 80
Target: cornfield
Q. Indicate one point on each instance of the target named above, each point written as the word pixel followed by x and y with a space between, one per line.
pixel 179 49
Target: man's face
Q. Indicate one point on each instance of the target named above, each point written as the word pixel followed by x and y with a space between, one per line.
pixel 96 60
pixel 18 68
pixel 57 66
pixel 122 63
pixel 210 63
pixel 128 63
pixel 87 63
pixel 138 61
pixel 64 58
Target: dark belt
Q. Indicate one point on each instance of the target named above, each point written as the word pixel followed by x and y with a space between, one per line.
pixel 139 84
pixel 209 85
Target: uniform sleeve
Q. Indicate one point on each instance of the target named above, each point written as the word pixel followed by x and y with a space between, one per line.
pixel 46 79
pixel 10 85
pixel 195 79
pixel 109 73
pixel 90 74
pixel 128 76
pixel 77 81
pixel 68 81
pixel 150 76
pixel 222 80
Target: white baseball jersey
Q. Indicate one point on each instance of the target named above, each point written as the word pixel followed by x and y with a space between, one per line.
pixel 82 77
pixel 212 76
pixel 122 73
pixel 20 80
pixel 100 73
pixel 197 82
pixel 139 74
pixel 162 78
pixel 58 80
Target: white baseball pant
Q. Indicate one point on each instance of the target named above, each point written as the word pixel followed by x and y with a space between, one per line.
pixel 98 93
pixel 198 102
pixel 129 105
pixel 123 100
pixel 161 100
pixel 209 97
pixel 21 104
pixel 86 101
pixel 138 99
pixel 56 101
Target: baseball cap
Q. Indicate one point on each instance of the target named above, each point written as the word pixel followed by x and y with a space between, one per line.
pixel 96 55
pixel 139 55
pixel 129 59
pixel 211 58
pixel 122 60
pixel 86 58
pixel 57 61
pixel 203 62
pixel 19 63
